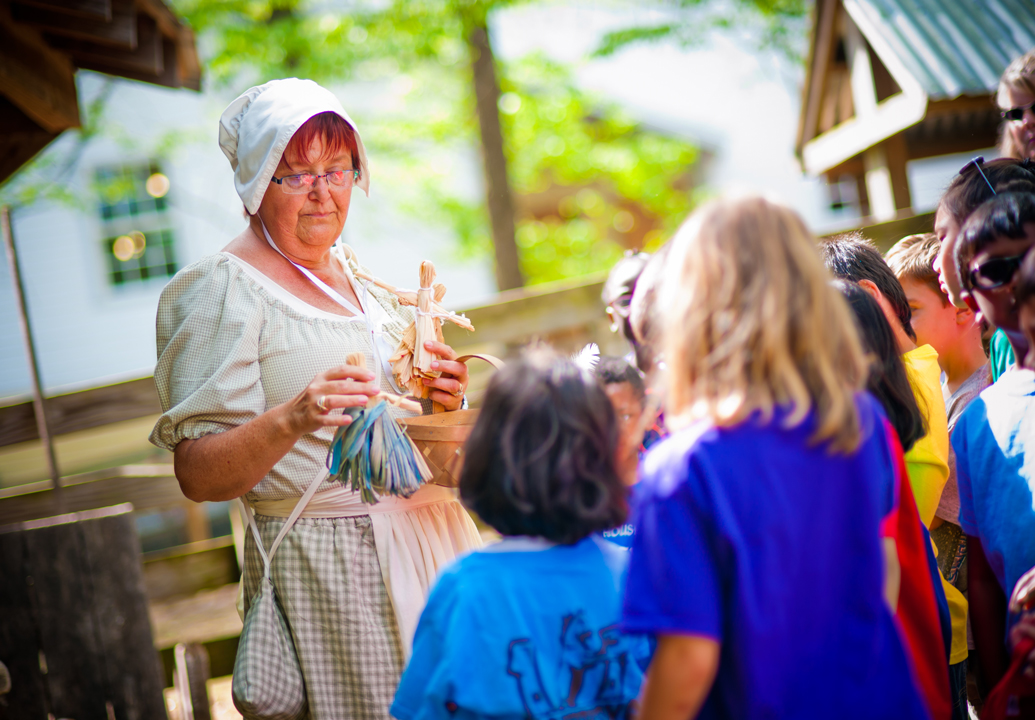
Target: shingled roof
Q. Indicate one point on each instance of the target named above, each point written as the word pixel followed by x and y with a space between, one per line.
pixel 951 47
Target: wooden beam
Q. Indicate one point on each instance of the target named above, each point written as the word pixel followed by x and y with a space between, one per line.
pixel 169 76
pixel 857 135
pixel 886 234
pixel 186 569
pixel 20 138
pixel 87 9
pixel 519 315
pixel 146 58
pixel 824 40
pixel 120 31
pixel 148 487
pixel 83 410
pixel 39 80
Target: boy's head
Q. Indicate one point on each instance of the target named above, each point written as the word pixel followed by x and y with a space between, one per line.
pixel 541 458
pixel 1024 294
pixel 936 321
pixel 624 387
pixel 853 257
pixel 618 291
pixel 989 251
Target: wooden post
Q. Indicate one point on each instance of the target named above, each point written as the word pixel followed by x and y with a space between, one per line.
pixel 192 674
pixel 75 634
pixel 30 350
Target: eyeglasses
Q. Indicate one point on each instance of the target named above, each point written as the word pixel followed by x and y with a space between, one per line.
pixel 976 164
pixel 995 272
pixel 306 182
pixel 1016 113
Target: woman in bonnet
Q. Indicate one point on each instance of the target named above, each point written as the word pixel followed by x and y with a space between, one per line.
pixel 252 343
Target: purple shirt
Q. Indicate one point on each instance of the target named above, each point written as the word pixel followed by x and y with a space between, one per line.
pixel 755 537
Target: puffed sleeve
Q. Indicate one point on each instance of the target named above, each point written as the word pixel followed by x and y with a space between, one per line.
pixel 208 328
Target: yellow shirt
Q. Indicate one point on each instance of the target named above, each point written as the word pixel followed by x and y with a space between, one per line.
pixel 927 463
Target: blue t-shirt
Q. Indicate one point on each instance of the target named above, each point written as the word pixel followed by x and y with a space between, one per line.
pixel 994 441
pixel 756 537
pixel 517 633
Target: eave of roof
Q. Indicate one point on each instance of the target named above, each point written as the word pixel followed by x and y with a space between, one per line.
pixel 951 47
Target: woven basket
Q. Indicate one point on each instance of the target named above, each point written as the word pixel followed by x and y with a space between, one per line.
pixel 440 436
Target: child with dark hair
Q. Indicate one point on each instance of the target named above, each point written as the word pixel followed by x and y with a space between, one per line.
pixel 527 627
pixel 994 439
pixel 928 627
pixel 637 425
pixel 851 257
pixel 778 473
pixel 888 381
pixel 976 183
pixel 854 258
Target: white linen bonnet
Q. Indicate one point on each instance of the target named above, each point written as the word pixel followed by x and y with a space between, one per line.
pixel 255 129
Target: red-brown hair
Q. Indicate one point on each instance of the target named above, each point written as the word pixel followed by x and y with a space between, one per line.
pixel 337 135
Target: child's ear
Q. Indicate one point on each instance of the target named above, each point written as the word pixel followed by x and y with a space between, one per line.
pixel 972 305
pixel 964 315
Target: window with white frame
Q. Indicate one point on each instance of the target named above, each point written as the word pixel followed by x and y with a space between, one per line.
pixel 138 240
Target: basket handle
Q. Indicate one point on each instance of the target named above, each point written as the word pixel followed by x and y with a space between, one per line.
pixel 491 359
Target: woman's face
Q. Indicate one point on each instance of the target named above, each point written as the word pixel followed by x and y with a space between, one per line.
pixel 947 230
pixel 313 218
pixel 1022 131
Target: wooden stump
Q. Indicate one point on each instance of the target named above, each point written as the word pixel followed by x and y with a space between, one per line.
pixel 74 628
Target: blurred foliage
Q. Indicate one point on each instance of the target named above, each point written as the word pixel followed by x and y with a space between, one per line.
pixel 772 25
pixel 596 158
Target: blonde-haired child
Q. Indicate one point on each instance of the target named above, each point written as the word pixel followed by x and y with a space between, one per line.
pixel 757 558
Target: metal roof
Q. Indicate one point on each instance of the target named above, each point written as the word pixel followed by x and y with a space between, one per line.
pixel 951 47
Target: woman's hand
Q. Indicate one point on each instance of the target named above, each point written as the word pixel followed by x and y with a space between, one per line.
pixel 447 390
pixel 340 387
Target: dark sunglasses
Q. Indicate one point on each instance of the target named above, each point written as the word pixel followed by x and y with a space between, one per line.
pixel 1016 113
pixel 996 272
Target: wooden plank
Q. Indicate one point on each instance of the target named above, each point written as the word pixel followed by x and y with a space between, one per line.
pixel 146 58
pixel 39 80
pixel 821 53
pixel 146 487
pixel 204 617
pixel 188 569
pixel 520 315
pixel 92 657
pixel 82 410
pixel 886 234
pixel 28 692
pixel 119 31
pixel 168 77
pixel 191 678
pixel 99 10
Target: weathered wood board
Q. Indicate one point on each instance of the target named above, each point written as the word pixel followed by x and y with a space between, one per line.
pixel 74 626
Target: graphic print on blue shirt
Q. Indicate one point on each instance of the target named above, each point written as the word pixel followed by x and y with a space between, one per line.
pixel 510 633
pixel 596 662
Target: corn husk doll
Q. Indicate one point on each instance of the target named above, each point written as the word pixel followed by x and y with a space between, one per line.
pixel 373 453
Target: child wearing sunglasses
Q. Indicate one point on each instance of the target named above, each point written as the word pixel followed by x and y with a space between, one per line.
pixel 994 439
